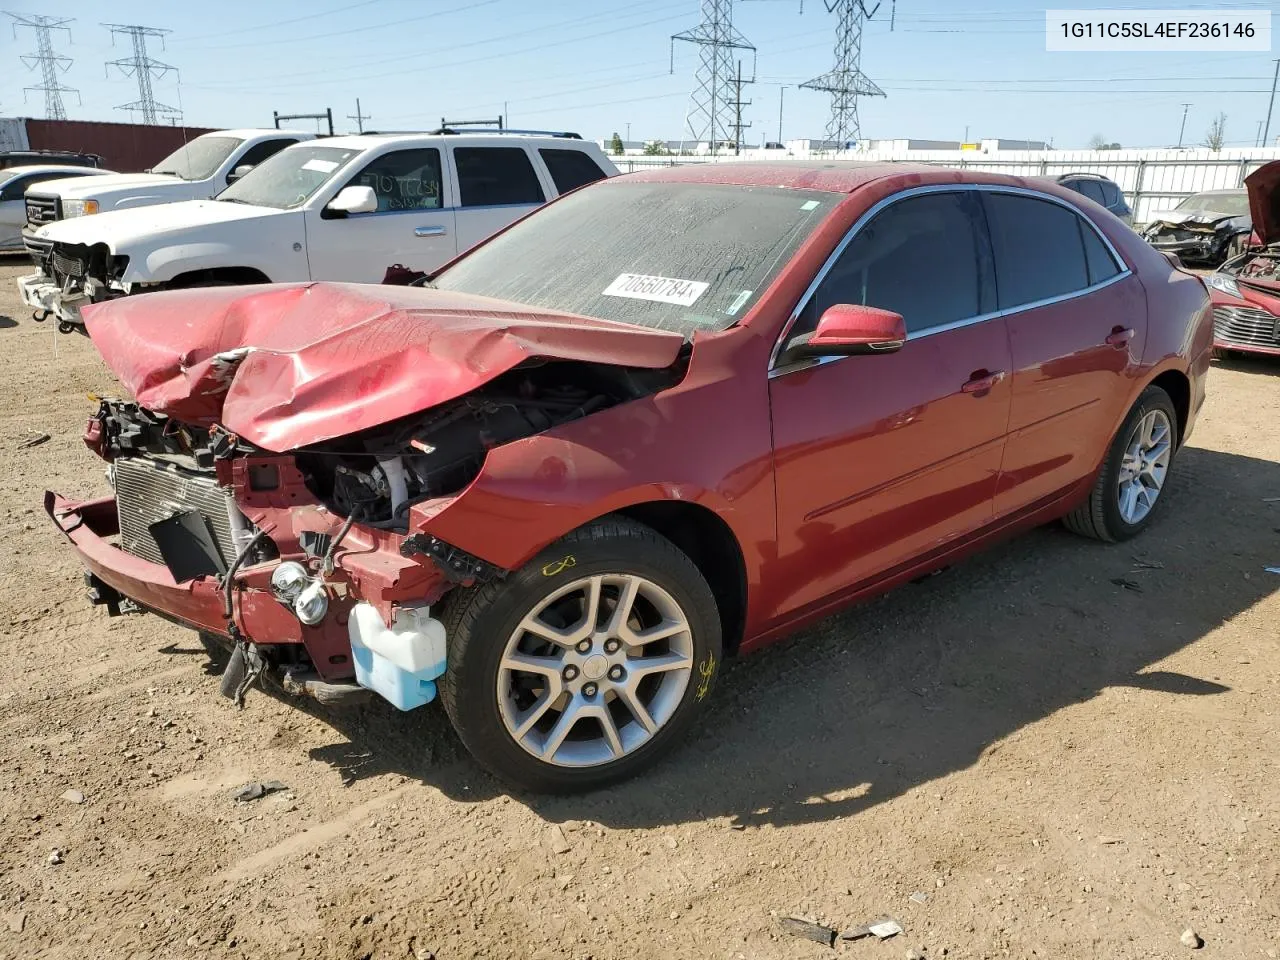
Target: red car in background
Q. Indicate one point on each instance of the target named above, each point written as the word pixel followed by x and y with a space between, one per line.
pixel 1246 289
pixel 666 418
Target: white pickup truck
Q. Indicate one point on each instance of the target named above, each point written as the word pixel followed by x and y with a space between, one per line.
pixel 199 169
pixel 340 208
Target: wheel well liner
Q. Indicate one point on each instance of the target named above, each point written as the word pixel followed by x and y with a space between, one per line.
pixel 1178 387
pixel 235 275
pixel 709 542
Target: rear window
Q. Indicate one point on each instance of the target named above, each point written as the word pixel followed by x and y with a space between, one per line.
pixel 675 256
pixel 496 176
pixel 1037 247
pixel 570 169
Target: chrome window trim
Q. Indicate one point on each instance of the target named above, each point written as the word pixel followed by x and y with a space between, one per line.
pixel 879 205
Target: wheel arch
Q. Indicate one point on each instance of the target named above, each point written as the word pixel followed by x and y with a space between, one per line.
pixel 229 275
pixel 1177 385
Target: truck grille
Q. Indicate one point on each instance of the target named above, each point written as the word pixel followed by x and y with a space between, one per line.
pixel 65 265
pixel 150 490
pixel 1247 326
pixel 42 210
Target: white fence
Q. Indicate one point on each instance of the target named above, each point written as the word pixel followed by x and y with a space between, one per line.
pixel 1151 179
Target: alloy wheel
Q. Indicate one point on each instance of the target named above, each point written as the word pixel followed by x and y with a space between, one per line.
pixel 595 670
pixel 1144 466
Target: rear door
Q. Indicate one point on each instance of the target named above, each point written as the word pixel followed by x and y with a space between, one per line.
pixel 880 459
pixel 496 185
pixel 413 225
pixel 1077 325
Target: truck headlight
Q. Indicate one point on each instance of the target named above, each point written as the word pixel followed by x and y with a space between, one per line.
pixel 79 208
pixel 1224 284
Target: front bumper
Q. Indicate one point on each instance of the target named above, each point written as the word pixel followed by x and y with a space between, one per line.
pixel 41 293
pixel 1205 249
pixel 1245 328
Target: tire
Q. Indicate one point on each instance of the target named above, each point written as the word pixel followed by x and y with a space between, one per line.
pixel 491 705
pixel 1102 516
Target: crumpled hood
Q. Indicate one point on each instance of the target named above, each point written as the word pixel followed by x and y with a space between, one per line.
pixel 289 365
pixel 120 229
pixel 1264 201
pixel 1202 219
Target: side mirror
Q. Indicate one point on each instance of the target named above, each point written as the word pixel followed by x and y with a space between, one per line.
pixel 239 172
pixel 353 200
pixel 845 330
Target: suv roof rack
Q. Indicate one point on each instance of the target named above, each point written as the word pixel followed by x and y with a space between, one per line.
pixel 563 134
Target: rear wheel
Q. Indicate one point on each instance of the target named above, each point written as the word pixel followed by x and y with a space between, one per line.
pixel 585 666
pixel 1134 474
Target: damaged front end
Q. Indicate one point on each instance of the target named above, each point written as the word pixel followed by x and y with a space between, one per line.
pixel 1203 238
pixel 316 560
pixel 70 276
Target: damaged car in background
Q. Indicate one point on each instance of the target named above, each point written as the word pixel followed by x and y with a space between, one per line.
pixel 1246 289
pixel 559 480
pixel 1206 228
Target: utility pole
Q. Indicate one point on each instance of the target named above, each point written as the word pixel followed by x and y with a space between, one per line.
pixel 142 68
pixel 845 82
pixel 1257 142
pixel 738 104
pixel 359 117
pixel 782 92
pixel 628 131
pixel 48 61
pixel 1266 133
pixel 1183 128
pixel 709 116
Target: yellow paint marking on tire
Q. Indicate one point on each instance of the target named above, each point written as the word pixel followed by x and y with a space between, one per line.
pixel 559 566
pixel 706 670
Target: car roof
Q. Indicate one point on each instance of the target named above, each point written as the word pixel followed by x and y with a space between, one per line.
pixel 246 133
pixel 1220 193
pixel 831 176
pixel 8 172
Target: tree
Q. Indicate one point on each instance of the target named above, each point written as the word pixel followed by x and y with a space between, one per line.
pixel 615 145
pixel 1216 135
pixel 656 148
pixel 1097 142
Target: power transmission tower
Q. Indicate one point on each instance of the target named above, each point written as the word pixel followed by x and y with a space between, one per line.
pixel 359 117
pixel 711 106
pixel 738 104
pixel 846 81
pixel 142 67
pixel 48 61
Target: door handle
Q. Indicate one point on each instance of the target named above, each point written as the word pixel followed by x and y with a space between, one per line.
pixel 1119 336
pixel 982 381
pixel 429 231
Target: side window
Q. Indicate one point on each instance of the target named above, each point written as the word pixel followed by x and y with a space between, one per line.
pixel 570 169
pixel 14 189
pixel 403 180
pixel 1101 264
pixel 1037 248
pixel 1091 189
pixel 260 151
pixel 492 176
pixel 921 257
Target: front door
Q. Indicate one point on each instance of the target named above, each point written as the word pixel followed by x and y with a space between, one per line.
pixel 880 459
pixel 413 225
pixel 496 186
pixel 1077 327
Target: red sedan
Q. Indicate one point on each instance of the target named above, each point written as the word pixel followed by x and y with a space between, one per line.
pixel 665 419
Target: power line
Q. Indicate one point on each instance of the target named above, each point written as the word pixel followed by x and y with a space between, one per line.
pixel 280 23
pixel 143 68
pixel 48 62
pixel 710 115
pixel 846 81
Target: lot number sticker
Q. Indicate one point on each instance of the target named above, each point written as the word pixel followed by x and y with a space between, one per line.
pixel 638 286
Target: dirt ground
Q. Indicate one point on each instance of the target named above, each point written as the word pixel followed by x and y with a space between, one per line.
pixel 1018 758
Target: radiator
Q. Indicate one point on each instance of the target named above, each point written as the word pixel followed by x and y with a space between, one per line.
pixel 150 490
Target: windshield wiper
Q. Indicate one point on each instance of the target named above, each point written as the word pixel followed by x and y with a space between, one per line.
pixel 232 200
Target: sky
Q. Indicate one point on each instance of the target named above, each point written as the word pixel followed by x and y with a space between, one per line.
pixel 600 66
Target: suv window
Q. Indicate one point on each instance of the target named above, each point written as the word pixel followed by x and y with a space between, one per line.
pixel 570 169
pixel 1038 248
pixel 492 176
pixel 260 151
pixel 922 257
pixel 1111 195
pixel 404 180
pixel 1090 188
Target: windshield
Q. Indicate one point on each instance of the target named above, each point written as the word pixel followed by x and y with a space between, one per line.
pixel 676 256
pixel 1231 204
pixel 198 159
pixel 288 178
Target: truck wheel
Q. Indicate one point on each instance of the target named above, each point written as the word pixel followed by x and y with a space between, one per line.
pixel 586 665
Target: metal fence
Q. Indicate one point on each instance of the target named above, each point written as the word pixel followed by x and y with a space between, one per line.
pixel 1152 180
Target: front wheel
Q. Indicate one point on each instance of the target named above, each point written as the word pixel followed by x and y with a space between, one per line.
pixel 1134 474
pixel 586 665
